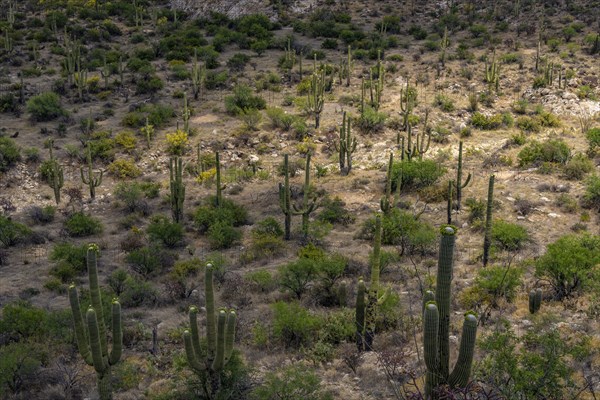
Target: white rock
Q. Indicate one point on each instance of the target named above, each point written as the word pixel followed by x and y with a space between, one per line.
pixel 553 215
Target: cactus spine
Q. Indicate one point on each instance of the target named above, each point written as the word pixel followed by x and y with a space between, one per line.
pixel 309 202
pixel 316 96
pixel 220 334
pixel 285 197
pixel 92 343
pixel 487 240
pixel 535 300
pixel 458 184
pixel 56 179
pixel 436 339
pixel 346 145
pixel 177 188
pixel 92 180
pixel 220 188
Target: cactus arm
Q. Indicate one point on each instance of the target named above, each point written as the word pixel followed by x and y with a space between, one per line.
pixel 92 265
pixel 192 360
pixel 195 337
pixel 80 334
pixel 449 205
pixel 219 360
pixel 95 345
pixel 430 337
pixel 462 369
pixel 117 334
pixel 229 335
pixel 211 334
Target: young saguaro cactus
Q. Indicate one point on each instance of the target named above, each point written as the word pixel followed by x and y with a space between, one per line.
pixel 459 184
pixel 366 309
pixel 436 318
pixel 177 187
pixel 285 198
pixel 387 202
pixel 198 76
pixel 346 145
pixel 487 240
pixel 220 188
pixel 309 202
pixel 91 334
pixel 56 179
pixel 220 335
pixel 90 178
pixel 535 300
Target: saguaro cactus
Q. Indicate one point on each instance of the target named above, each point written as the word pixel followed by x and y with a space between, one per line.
pixel 309 202
pixel 220 334
pixel 437 327
pixel 459 184
pixel 487 240
pixel 198 76
pixel 220 188
pixel 285 198
pixel 366 311
pixel 387 202
pixel 92 342
pixel 535 300
pixel 420 147
pixel 56 179
pixel 185 114
pixel 316 96
pixel 177 187
pixel 346 145
pixel 90 178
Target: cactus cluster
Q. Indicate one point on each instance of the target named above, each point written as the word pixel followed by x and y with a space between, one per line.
pixel 177 187
pixel 436 323
pixel 220 335
pixel 91 335
pixel 346 145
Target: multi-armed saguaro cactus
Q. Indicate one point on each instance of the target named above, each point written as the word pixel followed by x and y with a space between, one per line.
pixel 437 327
pixel 407 103
pixel 316 96
pixel 56 178
pixel 492 73
pixel 376 87
pixel 105 72
pixel 92 342
pixel 285 197
pixel 459 184
pixel 309 202
pixel 220 334
pixel 177 188
pixel 220 188
pixel 420 147
pixel 72 59
pixel 90 178
pixel 535 300
pixel 366 309
pixel 346 145
pixel 148 131
pixel 487 239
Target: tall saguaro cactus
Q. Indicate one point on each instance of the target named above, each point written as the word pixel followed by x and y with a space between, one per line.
pixel 459 184
pixel 285 197
pixel 220 188
pixel 388 202
pixel 56 179
pixel 220 334
pixel 346 145
pixel 198 76
pixel 90 178
pixel 309 201
pixel 91 334
pixel 487 240
pixel 316 96
pixel 177 188
pixel 366 309
pixel 436 319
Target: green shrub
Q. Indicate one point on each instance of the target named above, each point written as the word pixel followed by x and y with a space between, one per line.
pixel 481 121
pixel 293 325
pixel 528 124
pixel 297 276
pixel 536 153
pixel 570 263
pixel 137 293
pixel 261 280
pixel 243 100
pixel 12 232
pixel 124 169
pixel 222 235
pixel 133 196
pixel 577 167
pixel 9 153
pixel 20 364
pixel 593 138
pixel 417 174
pixel 238 62
pixel 45 107
pixel 150 261
pixel 161 229
pixel 70 255
pixel 492 284
pixel 229 213
pixel 371 121
pixel 591 197
pixel 333 211
pixel 294 382
pixel 508 236
pixel 444 102
pixel 41 215
pixel 81 225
